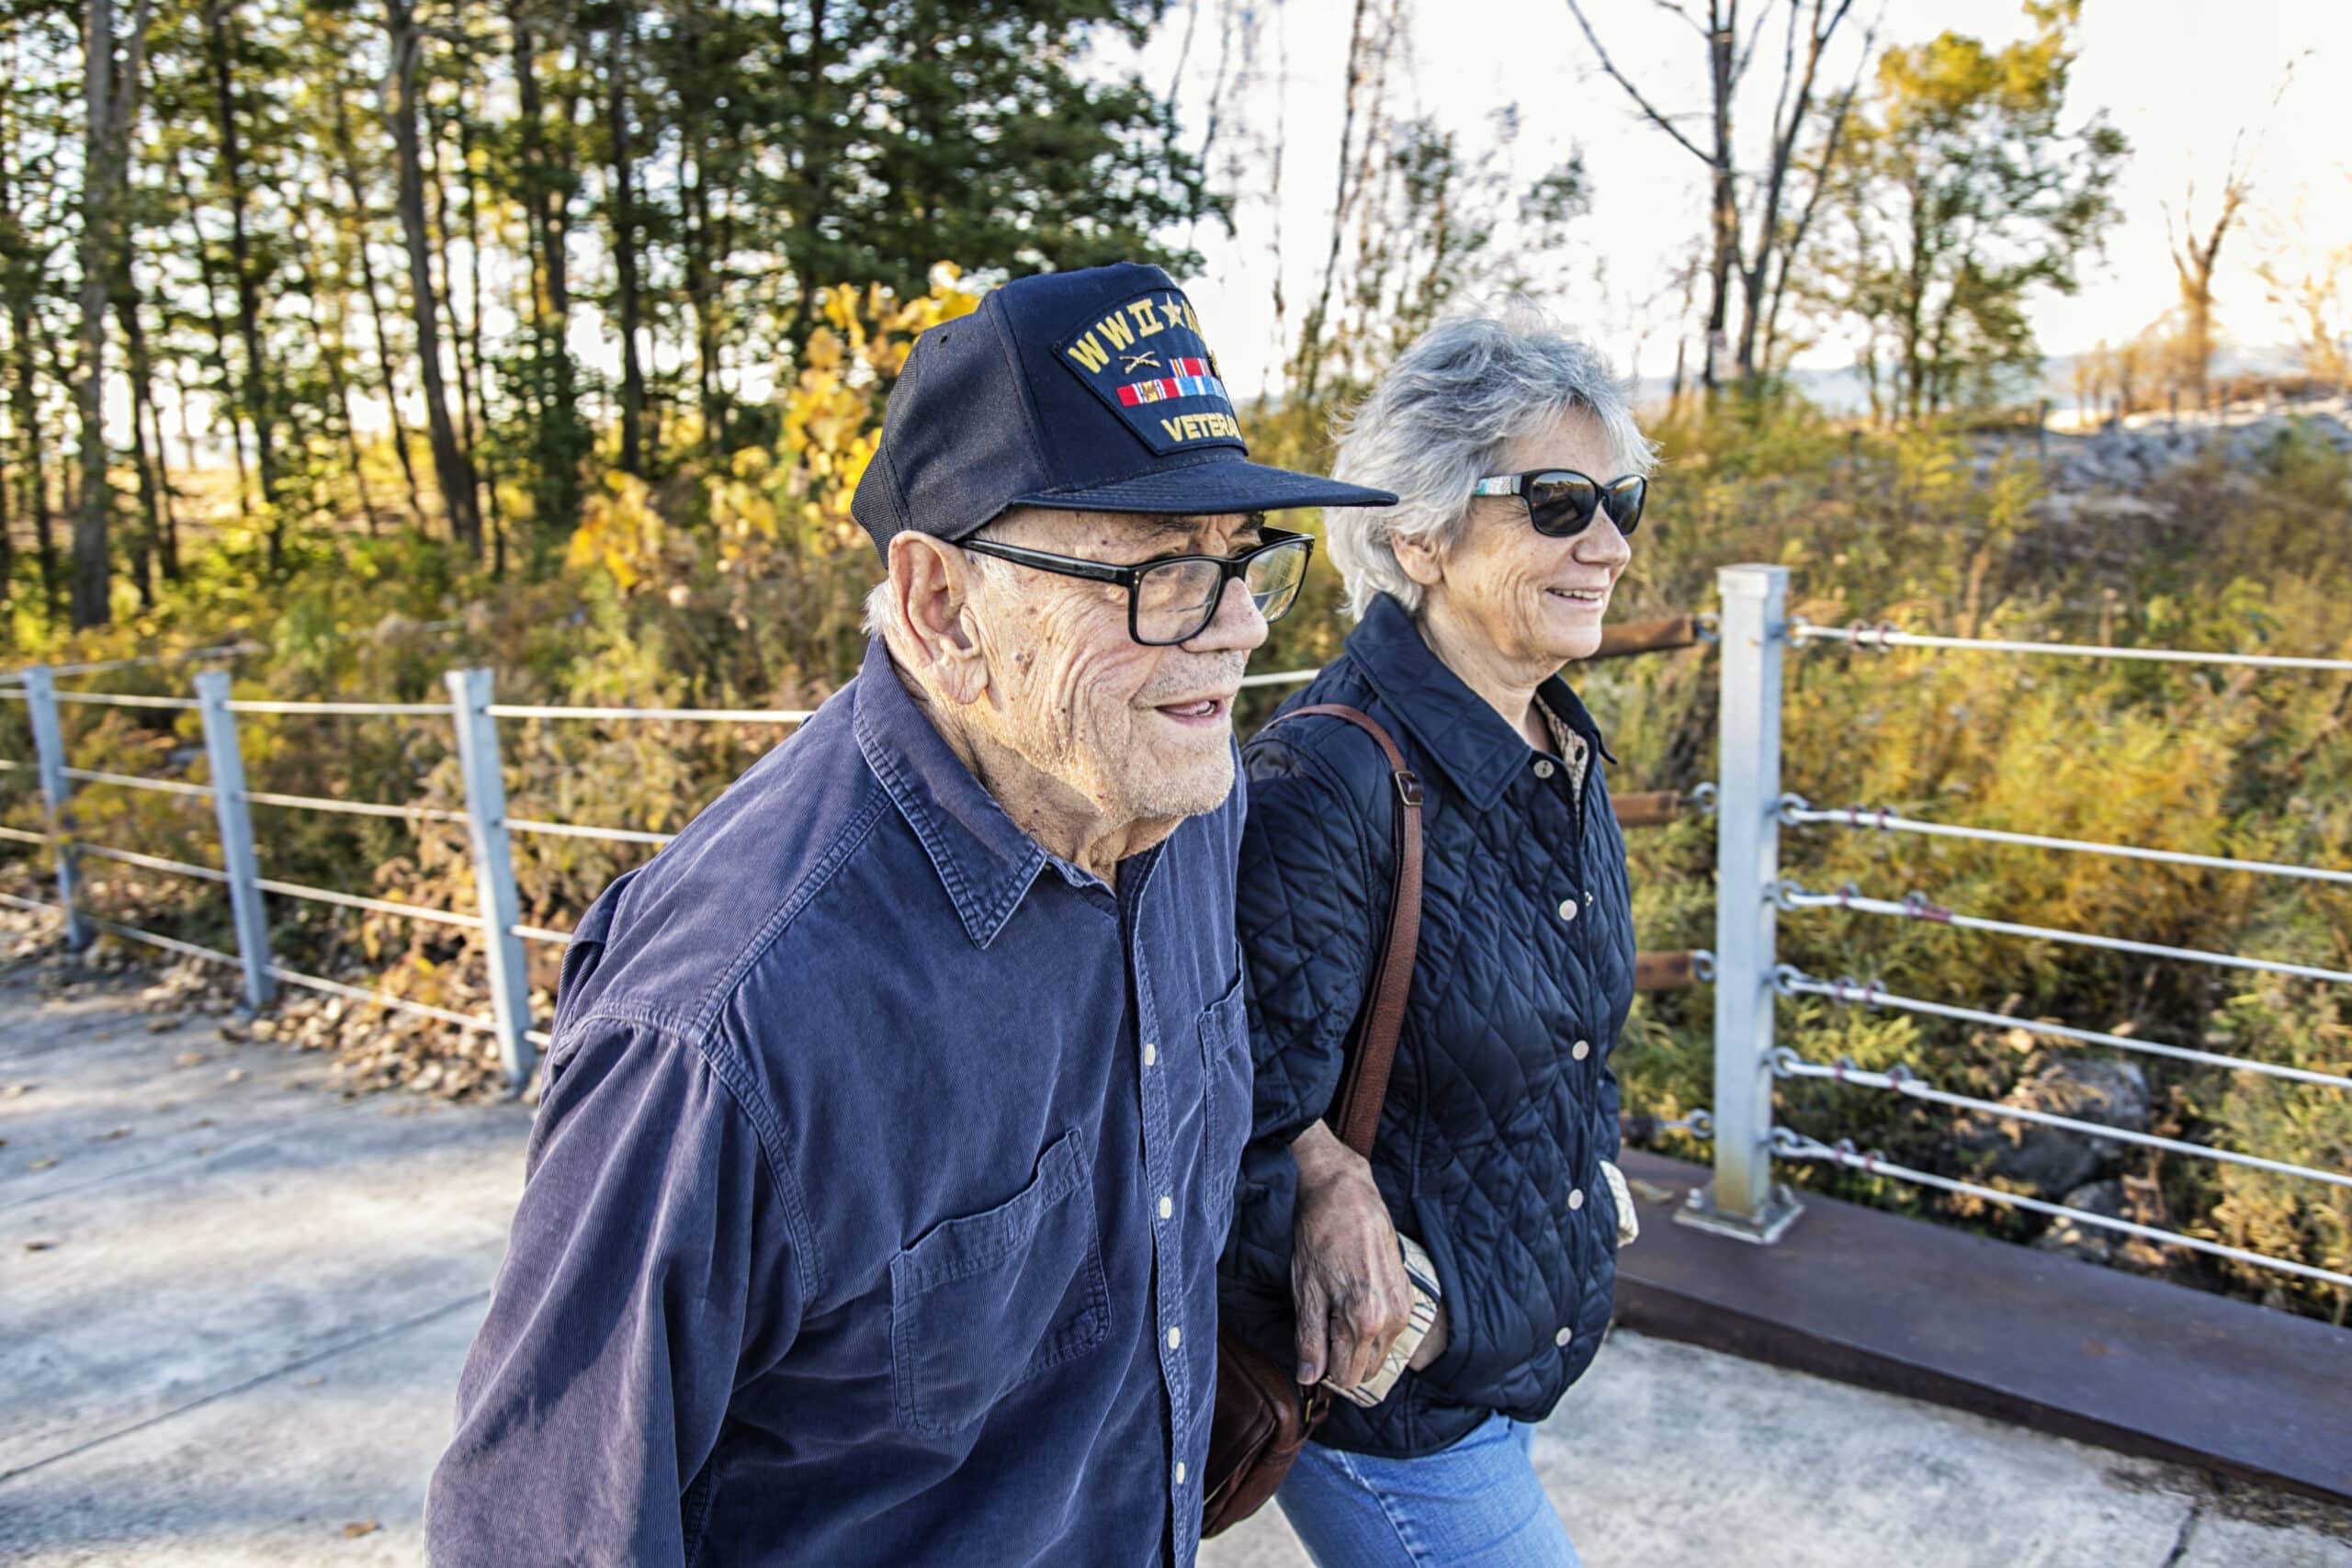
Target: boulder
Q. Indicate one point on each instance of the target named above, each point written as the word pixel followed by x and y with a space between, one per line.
pixel 2054 1160
pixel 2092 1244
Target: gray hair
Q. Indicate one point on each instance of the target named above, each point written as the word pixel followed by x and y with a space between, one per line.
pixel 1439 418
pixel 882 615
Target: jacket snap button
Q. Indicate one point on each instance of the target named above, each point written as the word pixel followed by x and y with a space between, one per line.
pixel 1562 1338
pixel 1581 1050
pixel 1543 767
pixel 1568 909
pixel 1576 1198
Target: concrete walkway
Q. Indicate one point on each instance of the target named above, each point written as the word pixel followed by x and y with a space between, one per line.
pixel 233 1306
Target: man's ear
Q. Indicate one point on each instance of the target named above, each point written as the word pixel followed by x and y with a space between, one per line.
pixel 1419 556
pixel 931 584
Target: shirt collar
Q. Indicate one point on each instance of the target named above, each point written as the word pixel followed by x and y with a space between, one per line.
pixel 984 861
pixel 1466 737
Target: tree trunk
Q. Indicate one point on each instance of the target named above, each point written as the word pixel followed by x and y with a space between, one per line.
pixel 480 365
pixel 348 155
pixel 332 352
pixel 167 543
pixel 231 402
pixel 260 404
pixel 627 305
pixel 107 98
pixel 555 423
pixel 150 539
pixel 1723 182
pixel 451 468
pixel 26 395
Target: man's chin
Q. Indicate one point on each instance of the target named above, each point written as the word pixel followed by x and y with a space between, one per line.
pixel 1185 786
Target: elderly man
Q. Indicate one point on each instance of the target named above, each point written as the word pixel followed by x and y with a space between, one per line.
pixel 891 1121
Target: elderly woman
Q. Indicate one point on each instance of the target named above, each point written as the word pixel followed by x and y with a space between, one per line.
pixel 1522 474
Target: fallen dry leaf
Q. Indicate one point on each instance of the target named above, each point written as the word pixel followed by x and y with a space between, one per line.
pixel 190 1059
pixel 42 1164
pixel 109 1137
pixel 358 1528
pixel 42 1244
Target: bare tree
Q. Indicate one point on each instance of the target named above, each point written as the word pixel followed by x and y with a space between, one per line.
pixel 2193 259
pixel 1737 263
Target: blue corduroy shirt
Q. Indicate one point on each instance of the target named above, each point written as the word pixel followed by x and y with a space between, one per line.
pixel 876 1194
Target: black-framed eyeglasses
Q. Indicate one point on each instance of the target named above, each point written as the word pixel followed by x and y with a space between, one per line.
pixel 1174 599
pixel 1562 502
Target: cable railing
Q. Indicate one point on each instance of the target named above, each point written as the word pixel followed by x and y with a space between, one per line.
pixel 1743 1200
pixel 1884 637
pixel 1796 1146
pixel 1796 812
pixel 1790 981
pixel 496 918
pixel 1916 906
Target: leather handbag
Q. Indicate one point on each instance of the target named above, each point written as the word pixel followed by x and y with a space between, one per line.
pixel 1263 1417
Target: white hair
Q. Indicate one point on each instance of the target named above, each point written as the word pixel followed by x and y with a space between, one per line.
pixel 1438 420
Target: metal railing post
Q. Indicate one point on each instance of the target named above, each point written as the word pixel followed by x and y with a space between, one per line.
pixel 1743 1201
pixel 494 893
pixel 228 765
pixel 56 790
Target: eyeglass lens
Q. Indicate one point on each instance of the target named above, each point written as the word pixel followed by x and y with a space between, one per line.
pixel 1175 602
pixel 1560 504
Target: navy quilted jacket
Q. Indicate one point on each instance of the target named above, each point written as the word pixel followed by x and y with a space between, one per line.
pixel 1502 1105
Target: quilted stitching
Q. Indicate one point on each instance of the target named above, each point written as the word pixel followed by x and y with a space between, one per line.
pixel 1490 1123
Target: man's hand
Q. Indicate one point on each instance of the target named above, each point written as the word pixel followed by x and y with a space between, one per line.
pixel 1347 1276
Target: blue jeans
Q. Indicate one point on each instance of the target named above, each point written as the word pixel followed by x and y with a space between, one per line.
pixel 1474 1505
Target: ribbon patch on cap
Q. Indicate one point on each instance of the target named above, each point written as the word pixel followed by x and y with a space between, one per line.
pixel 1145 360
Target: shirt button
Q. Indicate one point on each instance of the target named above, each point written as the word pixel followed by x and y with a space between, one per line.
pixel 1576 1198
pixel 1543 767
pixel 1167 1206
pixel 1150 1053
pixel 1568 909
pixel 1581 1050
pixel 1562 1338
pixel 1180 1473
pixel 1175 1338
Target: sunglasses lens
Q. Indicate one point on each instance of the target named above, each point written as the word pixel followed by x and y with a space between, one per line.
pixel 1624 501
pixel 1560 504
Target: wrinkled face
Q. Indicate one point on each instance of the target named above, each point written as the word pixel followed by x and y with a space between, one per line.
pixel 1541 600
pixel 1141 733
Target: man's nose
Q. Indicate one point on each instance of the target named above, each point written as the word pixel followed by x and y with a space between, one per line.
pixel 1237 623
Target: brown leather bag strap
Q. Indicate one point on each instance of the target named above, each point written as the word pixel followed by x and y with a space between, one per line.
pixel 1365 1087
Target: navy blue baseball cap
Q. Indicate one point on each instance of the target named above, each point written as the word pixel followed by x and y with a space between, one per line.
pixel 1087 392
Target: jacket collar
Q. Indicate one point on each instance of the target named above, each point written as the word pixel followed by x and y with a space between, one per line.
pixel 985 862
pixel 1468 741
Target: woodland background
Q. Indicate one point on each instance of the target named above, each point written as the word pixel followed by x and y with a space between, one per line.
pixel 554 335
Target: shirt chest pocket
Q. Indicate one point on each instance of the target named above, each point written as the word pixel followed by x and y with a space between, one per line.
pixel 1226 1079
pixel 984 1304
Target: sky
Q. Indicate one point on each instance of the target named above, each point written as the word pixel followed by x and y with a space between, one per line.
pixel 2180 79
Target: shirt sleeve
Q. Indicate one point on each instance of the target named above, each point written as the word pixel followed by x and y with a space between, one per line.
pixel 648 1274
pixel 1311 903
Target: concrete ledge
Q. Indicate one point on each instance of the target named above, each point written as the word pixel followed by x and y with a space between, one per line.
pixel 2047 1342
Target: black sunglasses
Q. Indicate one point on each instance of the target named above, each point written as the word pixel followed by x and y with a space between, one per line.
pixel 1173 600
pixel 1561 502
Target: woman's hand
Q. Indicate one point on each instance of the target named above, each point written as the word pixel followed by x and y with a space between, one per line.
pixel 1347 1276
